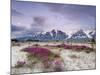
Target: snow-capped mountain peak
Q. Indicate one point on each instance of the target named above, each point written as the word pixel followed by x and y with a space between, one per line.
pixel 79 34
pixel 58 35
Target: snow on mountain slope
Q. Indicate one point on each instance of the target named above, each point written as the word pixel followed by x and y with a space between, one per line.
pixel 79 34
pixel 93 34
pixel 60 35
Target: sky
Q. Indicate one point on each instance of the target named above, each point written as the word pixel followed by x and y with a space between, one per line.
pixel 29 18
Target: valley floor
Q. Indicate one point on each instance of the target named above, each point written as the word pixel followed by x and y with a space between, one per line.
pixel 73 60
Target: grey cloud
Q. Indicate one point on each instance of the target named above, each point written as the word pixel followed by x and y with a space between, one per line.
pixel 38 24
pixel 16 13
pixel 73 10
pixel 21 31
pixel 39 20
pixel 15 28
pixel 80 14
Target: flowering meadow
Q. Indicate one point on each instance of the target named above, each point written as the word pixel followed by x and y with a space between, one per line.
pixel 50 57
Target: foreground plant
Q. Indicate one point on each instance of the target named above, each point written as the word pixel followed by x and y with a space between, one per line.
pixel 58 64
pixel 40 53
pixel 45 56
pixel 20 64
pixel 75 47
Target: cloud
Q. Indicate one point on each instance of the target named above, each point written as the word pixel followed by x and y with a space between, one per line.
pixel 83 15
pixel 38 24
pixel 16 13
pixel 40 20
pixel 72 9
pixel 35 27
pixel 17 31
pixel 15 28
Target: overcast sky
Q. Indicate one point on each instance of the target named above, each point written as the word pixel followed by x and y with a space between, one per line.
pixel 32 17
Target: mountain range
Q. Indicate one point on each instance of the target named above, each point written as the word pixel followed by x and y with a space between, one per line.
pixel 58 35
